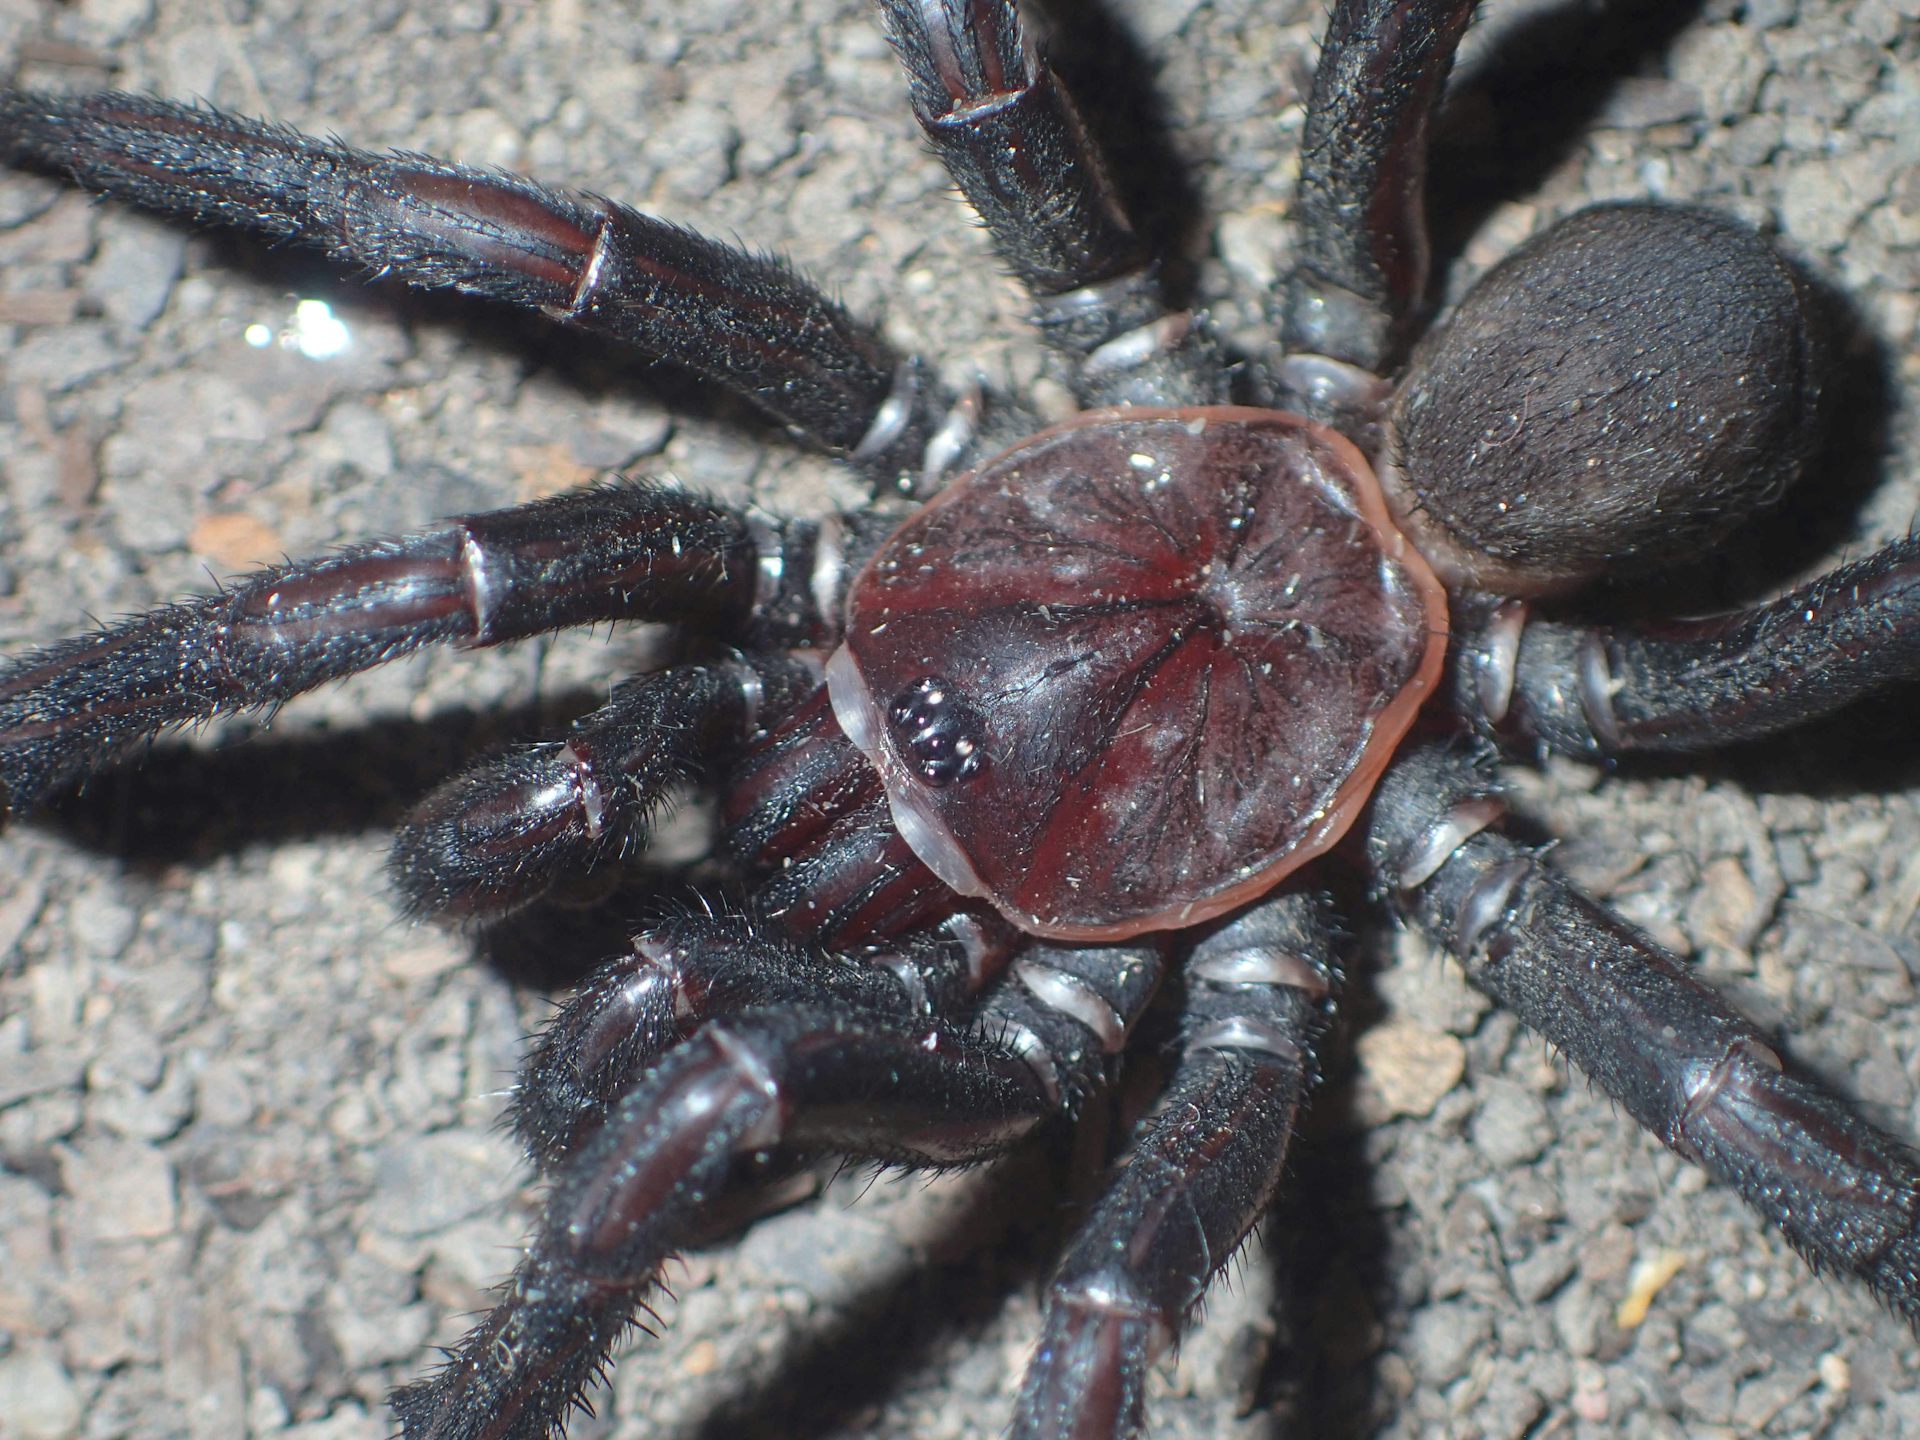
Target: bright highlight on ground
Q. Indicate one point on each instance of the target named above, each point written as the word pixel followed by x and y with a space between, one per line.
pixel 313 330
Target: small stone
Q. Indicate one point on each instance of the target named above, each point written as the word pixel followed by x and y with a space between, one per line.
pixel 1763 1396
pixel 1249 241
pixel 135 269
pixel 235 541
pixel 122 1189
pixel 1590 1394
pixel 1543 1272
pixel 702 1358
pixel 19 908
pixel 1637 104
pixel 37 1396
pixel 1649 1278
pixel 1730 911
pixel 1405 1069
pixel 1511 1126
pixel 427 1185
pixel 1444 1337
pixel 38 1072
pixel 432 953
pixel 1835 1373
pixel 101 921
pixel 1579 1312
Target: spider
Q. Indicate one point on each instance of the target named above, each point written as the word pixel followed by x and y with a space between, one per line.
pixel 924 697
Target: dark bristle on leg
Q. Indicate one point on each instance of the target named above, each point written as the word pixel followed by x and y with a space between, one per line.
pixel 636 1191
pixel 1686 686
pixel 688 970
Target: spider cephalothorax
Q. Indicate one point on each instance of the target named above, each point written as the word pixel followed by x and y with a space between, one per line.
pixel 993 769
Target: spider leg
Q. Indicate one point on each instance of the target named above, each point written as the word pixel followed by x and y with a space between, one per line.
pixel 499 835
pixel 1699 684
pixel 1361 252
pixel 745 321
pixel 814 1077
pixel 615 552
pixel 1684 1064
pixel 693 968
pixel 1008 132
pixel 1196 1180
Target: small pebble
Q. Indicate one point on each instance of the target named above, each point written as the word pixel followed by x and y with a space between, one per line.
pixel 37 1397
pixel 1406 1069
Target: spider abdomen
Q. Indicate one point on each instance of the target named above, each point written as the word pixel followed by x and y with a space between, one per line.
pixel 1624 390
pixel 1133 671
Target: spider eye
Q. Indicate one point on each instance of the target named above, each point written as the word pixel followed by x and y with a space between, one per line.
pixel 942 735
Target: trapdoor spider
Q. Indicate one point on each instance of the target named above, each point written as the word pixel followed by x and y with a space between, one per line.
pixel 1035 1048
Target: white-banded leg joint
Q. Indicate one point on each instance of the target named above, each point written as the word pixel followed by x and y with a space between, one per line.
pixel 1496 659
pixel 593 273
pixel 1103 1299
pixel 766 1131
pixel 1598 686
pixel 586 790
pixel 1704 1084
pixel 770 559
pixel 1488 903
pixel 483 589
pixel 906 975
pixel 1319 386
pixel 1241 1033
pixel 951 442
pixel 895 415
pixel 1140 345
pixel 1421 860
pixel 828 581
pixel 663 968
pixel 1262 965
pixel 753 693
pixel 1038 1057
pixel 985 949
pixel 1077 1000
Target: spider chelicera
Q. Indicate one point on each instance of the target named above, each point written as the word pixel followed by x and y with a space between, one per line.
pixel 914 688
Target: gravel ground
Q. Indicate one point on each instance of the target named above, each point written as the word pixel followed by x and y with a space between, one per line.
pixel 248 1167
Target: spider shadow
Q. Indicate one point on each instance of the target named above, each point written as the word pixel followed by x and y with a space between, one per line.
pixel 1111 79
pixel 1311 1374
pixel 1525 96
pixel 1326 1239
pixel 188 805
pixel 1328 1235
pixel 1330 1245
pixel 1864 750
pixel 894 1333
pixel 178 804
